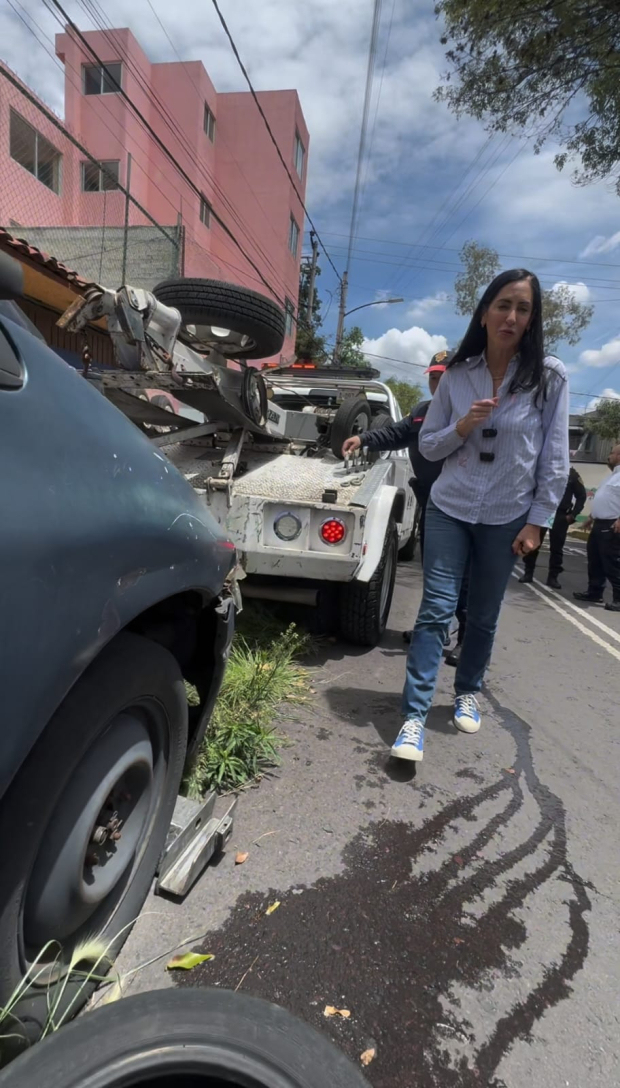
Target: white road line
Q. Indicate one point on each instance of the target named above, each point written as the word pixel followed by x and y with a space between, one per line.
pixel 580 612
pixel 571 619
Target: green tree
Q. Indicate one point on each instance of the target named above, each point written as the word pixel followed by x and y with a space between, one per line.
pixel 406 393
pixel 309 343
pixel 564 317
pixel 605 422
pixel 351 353
pixel 526 66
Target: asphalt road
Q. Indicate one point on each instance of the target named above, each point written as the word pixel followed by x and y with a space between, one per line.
pixel 465 910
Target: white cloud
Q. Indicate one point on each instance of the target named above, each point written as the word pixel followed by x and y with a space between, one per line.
pixel 608 355
pixel 414 345
pixel 601 244
pixel 381 297
pixel 607 394
pixel 579 291
pixel 422 307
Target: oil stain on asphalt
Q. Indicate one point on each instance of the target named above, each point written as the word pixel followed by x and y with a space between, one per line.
pixel 393 944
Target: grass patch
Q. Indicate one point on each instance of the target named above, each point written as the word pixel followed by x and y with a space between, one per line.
pixel 263 675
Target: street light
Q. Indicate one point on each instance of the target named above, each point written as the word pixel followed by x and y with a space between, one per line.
pixel 377 302
pixel 345 313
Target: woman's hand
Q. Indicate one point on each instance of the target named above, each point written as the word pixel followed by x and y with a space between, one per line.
pixel 478 413
pixel 527 540
pixel 351 444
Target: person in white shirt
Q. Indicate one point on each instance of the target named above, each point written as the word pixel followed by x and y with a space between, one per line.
pixel 604 539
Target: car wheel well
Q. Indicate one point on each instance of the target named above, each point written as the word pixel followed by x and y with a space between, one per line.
pixel 187 628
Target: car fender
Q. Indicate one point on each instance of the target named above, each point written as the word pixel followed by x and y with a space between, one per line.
pixel 376 520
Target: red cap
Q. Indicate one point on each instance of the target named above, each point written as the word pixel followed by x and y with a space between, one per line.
pixel 439 362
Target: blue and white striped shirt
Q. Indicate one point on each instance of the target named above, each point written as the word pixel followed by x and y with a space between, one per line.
pixel 531 465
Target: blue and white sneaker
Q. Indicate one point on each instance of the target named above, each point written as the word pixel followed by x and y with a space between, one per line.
pixel 409 743
pixel 467 714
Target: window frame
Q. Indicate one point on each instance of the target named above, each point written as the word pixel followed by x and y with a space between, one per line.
pixel 37 137
pixel 101 68
pixel 289 316
pixel 205 204
pixel 293 229
pixel 102 165
pixel 299 144
pixel 209 123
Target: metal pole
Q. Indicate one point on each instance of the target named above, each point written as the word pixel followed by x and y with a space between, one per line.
pixel 315 257
pixel 344 284
pixel 127 199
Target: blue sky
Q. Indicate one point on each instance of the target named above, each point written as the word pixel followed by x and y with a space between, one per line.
pixel 430 181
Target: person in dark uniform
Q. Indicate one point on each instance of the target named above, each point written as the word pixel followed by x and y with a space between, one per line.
pixel 573 502
pixel 404 434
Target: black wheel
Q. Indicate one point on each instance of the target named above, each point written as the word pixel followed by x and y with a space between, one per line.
pixel 247 325
pixel 177 1039
pixel 86 819
pixel 376 424
pixel 365 606
pixel 407 552
pixel 353 417
pixel 254 396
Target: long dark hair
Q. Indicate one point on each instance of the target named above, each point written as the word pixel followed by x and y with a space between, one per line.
pixel 530 371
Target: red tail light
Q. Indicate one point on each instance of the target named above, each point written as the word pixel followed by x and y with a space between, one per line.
pixel 333 531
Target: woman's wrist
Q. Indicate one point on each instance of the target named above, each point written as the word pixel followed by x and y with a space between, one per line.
pixel 461 427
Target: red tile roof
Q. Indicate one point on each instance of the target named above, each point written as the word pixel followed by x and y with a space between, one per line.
pixel 21 246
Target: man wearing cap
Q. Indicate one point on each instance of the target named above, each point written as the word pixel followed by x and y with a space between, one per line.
pixel 398 436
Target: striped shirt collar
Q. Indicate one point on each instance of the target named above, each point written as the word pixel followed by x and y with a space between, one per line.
pixel 476 360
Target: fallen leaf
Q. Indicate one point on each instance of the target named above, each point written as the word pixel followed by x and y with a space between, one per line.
pixel 187 961
pixel 459 940
pixel 368 1056
pixel 458 859
pixel 240 858
pixel 510 770
pixel 274 906
pixel 331 1011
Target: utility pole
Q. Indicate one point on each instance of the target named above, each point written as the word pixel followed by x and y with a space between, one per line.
pixel 344 284
pixel 312 276
pixel 126 230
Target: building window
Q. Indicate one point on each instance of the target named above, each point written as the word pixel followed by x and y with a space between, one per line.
pixel 209 123
pixel 205 212
pixel 300 154
pixel 36 154
pixel 293 237
pixel 100 177
pixel 289 317
pixel 102 78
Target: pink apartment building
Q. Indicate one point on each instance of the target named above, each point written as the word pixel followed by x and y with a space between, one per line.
pixel 58 200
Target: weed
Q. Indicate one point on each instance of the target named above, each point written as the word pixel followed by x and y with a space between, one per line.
pixel 262 675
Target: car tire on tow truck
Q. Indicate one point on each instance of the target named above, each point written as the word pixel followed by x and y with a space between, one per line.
pixel 365 606
pixel 84 824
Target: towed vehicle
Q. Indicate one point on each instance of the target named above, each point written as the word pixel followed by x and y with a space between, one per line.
pixel 310 527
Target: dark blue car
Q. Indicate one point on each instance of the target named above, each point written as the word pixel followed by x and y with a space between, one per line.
pixel 113 593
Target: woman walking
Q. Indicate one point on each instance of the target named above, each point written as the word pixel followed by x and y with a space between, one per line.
pixel 500 419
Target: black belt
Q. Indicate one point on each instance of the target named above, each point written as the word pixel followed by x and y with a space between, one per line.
pixel 604 521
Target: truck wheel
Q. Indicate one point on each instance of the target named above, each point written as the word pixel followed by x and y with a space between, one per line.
pixel 407 552
pixel 365 606
pixel 188 1037
pixel 86 818
pixel 376 424
pixel 256 321
pixel 352 417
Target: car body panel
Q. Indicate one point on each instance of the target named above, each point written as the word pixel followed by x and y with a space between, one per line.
pixel 98 526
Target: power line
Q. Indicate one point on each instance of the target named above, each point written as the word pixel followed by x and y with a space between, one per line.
pixel 269 130
pixel 166 151
pixel 448 249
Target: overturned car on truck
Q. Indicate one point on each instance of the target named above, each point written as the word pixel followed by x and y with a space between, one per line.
pixel 310 526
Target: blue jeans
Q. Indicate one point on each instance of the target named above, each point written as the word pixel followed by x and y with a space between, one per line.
pixel 450 548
